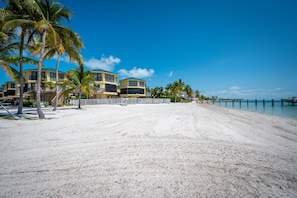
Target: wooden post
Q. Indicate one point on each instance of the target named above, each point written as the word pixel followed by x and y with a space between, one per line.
pixel 256 102
pixel 233 103
pixel 247 102
pixel 263 102
pixel 272 102
pixel 282 102
pixel 240 103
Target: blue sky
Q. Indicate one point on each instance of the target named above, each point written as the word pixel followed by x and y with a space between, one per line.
pixel 227 48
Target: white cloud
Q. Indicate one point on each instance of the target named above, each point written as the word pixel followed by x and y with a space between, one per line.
pixel 136 72
pixel 234 88
pixel 104 63
pixel 170 74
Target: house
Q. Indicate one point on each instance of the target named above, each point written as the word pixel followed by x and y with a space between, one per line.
pixel 11 90
pixel 106 84
pixel 132 88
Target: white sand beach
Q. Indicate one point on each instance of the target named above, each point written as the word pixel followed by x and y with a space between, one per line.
pixel 159 150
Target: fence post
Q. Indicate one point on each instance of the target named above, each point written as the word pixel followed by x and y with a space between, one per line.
pixel 272 102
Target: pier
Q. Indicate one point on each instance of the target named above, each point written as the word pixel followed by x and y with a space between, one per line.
pixel 287 101
pixel 292 100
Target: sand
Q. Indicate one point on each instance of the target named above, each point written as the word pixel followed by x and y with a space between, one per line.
pixel 159 150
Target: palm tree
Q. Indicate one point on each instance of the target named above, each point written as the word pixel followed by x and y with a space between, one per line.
pixel 15 15
pixel 80 81
pixel 197 94
pixel 71 45
pixel 177 88
pixel 158 92
pixel 68 42
pixel 47 15
pixel 189 91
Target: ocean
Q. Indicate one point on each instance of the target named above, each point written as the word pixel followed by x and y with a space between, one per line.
pixel 286 110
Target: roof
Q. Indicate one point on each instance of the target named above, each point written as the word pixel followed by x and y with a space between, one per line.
pixel 101 70
pixel 45 69
pixel 132 78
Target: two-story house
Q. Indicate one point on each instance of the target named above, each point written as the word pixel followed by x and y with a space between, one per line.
pixel 106 84
pixel 48 79
pixel 132 88
pixel 9 92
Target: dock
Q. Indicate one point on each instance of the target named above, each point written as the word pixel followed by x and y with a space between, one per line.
pixel 292 100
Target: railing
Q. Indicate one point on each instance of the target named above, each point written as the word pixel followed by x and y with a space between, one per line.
pixel 120 101
pixel 60 97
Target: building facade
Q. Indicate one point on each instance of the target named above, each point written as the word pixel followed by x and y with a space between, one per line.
pixel 11 90
pixel 106 84
pixel 132 88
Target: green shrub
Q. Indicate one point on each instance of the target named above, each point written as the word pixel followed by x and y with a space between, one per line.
pixel 45 104
pixel 28 103
pixel 172 99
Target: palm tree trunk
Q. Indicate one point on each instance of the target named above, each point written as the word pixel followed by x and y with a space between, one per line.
pixel 57 80
pixel 38 105
pixel 20 106
pixel 79 96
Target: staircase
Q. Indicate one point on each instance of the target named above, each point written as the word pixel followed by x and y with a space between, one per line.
pixel 60 97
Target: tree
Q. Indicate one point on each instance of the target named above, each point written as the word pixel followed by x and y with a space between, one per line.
pixel 80 81
pixel 68 42
pixel 47 15
pixel 177 88
pixel 14 17
pixel 71 45
pixel 197 94
pixel 158 92
pixel 189 91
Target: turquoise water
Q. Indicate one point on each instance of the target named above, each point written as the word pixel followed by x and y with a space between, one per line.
pixel 286 110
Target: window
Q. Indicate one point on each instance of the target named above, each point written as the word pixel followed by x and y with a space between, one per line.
pixel 52 76
pixel 124 91
pixel 98 77
pixel 109 78
pixel 132 91
pixel 61 76
pixel 141 84
pixel 110 88
pixel 43 75
pixel 133 83
pixel 97 86
pixel 12 85
pixel 33 76
pixel 32 86
pixel 135 91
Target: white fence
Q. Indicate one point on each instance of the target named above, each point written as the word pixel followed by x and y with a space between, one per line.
pixel 120 101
